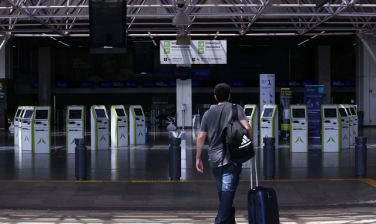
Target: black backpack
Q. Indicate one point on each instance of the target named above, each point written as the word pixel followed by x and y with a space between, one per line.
pixel 236 140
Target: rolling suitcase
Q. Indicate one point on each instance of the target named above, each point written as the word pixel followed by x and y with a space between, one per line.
pixel 262 203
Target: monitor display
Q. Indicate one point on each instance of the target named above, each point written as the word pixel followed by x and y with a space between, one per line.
pixel 330 113
pixel 138 111
pixel 268 112
pixel 248 111
pixel 348 111
pixel 41 114
pixel 28 114
pixel 298 113
pixel 101 113
pixel 342 112
pixel 18 113
pixel 120 112
pixel 352 109
pixel 75 114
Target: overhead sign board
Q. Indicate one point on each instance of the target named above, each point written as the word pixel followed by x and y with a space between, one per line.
pixel 198 52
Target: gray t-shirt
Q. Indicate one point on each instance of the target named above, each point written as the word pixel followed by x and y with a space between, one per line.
pixel 213 122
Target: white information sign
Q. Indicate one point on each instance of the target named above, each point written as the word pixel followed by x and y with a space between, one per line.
pixel 199 52
pixel 267 90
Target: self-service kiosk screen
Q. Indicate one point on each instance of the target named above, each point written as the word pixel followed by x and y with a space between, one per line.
pixel 138 111
pixel 352 111
pixel 41 114
pixel 75 114
pixel 100 113
pixel 268 112
pixel 298 113
pixel 248 111
pixel 28 114
pixel 342 111
pixel 18 113
pixel 120 112
pixel 330 113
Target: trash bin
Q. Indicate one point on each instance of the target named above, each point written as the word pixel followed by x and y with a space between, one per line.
pixel 175 155
pixel 196 119
pixel 80 159
pixel 360 156
pixel 269 158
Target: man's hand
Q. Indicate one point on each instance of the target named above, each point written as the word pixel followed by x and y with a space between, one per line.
pixel 199 166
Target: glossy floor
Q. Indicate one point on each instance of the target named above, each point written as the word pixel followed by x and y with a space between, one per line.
pixel 131 185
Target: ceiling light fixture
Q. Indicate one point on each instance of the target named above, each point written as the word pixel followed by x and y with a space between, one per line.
pixel 181 18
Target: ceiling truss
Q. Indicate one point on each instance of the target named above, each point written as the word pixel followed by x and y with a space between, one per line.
pixel 209 17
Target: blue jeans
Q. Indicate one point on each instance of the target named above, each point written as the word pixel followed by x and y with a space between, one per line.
pixel 227 179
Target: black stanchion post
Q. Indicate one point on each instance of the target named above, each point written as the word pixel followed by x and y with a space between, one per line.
pixel 80 159
pixel 174 158
pixel 360 156
pixel 269 158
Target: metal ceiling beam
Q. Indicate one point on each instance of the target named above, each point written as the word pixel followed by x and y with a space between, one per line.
pixel 31 16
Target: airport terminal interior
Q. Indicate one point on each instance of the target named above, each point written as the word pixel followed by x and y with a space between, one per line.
pixel 100 126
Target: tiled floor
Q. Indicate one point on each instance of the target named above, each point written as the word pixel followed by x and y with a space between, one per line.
pixel 135 179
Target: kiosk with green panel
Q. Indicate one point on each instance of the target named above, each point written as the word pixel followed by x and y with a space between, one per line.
pixel 137 128
pixel 75 126
pixel 16 124
pixel 27 124
pixel 355 122
pixel 119 126
pixel 345 124
pixel 269 124
pixel 99 127
pixel 42 129
pixel 331 128
pixel 299 128
pixel 252 114
pixel 351 124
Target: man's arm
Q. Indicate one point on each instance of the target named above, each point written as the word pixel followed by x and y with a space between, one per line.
pixel 250 131
pixel 199 146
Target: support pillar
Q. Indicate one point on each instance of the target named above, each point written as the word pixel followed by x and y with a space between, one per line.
pixel 366 78
pixel 44 76
pixel 184 96
pixel 6 69
pixel 323 72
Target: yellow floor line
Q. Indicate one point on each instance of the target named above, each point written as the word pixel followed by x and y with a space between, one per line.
pixel 369 181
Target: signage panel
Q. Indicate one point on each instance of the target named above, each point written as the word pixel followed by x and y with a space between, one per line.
pixel 198 52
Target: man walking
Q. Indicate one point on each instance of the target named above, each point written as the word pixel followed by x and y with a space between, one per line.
pixel 226 172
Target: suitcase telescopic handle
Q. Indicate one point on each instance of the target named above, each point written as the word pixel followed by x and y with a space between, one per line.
pixel 254 158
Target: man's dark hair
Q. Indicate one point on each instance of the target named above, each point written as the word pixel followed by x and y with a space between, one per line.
pixel 222 92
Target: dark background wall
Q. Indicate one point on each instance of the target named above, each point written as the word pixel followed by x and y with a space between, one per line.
pixel 247 58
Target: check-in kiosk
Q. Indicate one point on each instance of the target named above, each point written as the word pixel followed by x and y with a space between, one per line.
pixel 299 128
pixel 351 124
pixel 27 123
pixel 119 126
pixel 137 129
pixel 269 123
pixel 20 128
pixel 251 112
pixel 16 123
pixel 345 124
pixel 354 115
pixel 75 126
pixel 42 129
pixel 99 128
pixel 331 128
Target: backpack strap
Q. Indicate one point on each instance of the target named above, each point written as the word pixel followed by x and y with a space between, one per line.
pixel 234 117
pixel 234 112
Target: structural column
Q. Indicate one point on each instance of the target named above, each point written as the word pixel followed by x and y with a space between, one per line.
pixel 44 76
pixel 184 96
pixel 324 71
pixel 366 78
pixel 6 69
